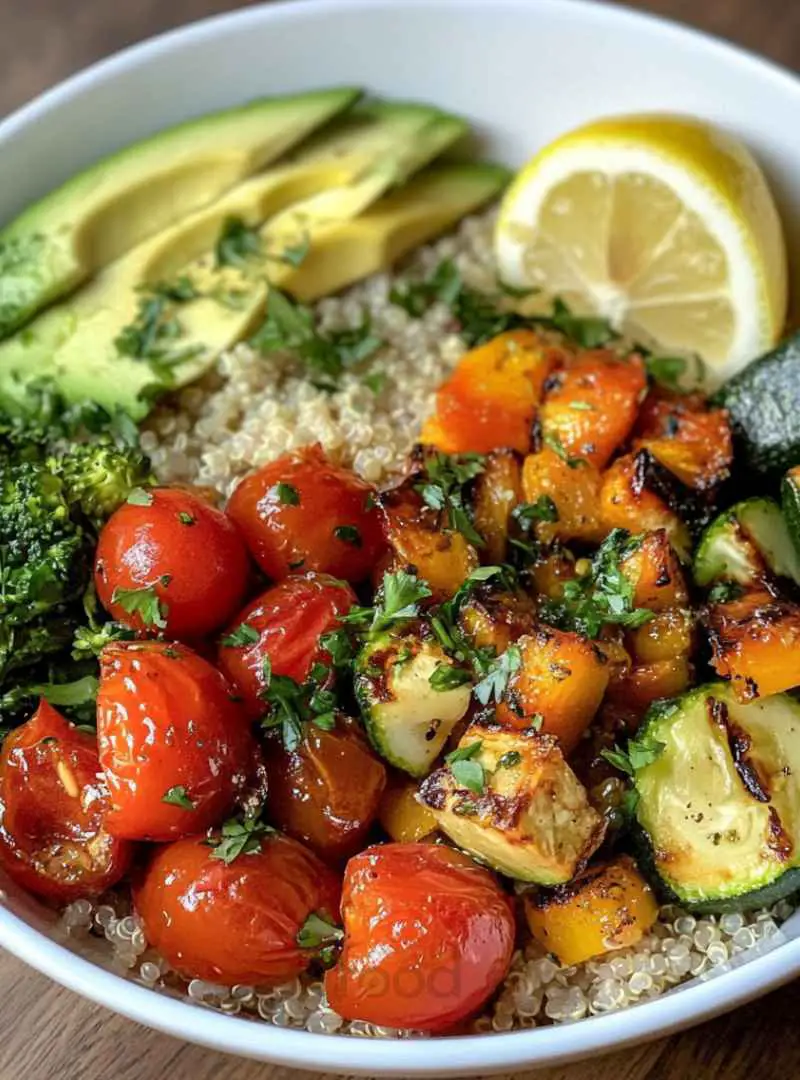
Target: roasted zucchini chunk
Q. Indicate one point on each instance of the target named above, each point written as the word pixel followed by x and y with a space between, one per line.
pixel 748 544
pixel 606 907
pixel 573 485
pixel 790 504
pixel 558 685
pixel 419 538
pixel 408 704
pixel 755 641
pixel 693 442
pixel 491 397
pixel 497 491
pixel 590 404
pixel 632 498
pixel 655 572
pixel 511 800
pixel 717 797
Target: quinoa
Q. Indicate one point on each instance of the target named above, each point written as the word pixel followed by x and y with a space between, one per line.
pixel 250 410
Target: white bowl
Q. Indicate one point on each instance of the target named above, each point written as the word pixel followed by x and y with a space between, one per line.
pixel 523 72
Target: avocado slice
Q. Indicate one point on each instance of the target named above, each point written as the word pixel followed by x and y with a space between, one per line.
pixel 103 212
pixel 74 344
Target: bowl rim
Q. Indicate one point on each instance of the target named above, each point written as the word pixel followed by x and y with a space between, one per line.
pixel 449 1056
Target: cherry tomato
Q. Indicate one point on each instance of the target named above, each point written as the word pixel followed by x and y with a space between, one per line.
pixel 302 512
pixel 287 622
pixel 53 811
pixel 235 922
pixel 428 938
pixel 171 562
pixel 327 791
pixel 175 744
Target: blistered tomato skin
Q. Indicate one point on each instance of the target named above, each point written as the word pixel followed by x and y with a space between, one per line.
pixel 189 553
pixel 326 792
pixel 429 936
pixel 289 620
pixel 169 727
pixel 53 811
pixel 302 513
pixel 235 923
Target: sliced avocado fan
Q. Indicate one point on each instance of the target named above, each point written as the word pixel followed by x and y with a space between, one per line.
pixel 126 332
pixel 59 242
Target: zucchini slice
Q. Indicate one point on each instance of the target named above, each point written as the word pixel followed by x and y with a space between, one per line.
pixel 790 503
pixel 510 799
pixel 408 720
pixel 764 406
pixel 719 800
pixel 746 543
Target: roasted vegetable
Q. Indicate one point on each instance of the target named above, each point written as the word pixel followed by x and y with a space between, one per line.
pixel 498 490
pixel 510 799
pixel 420 537
pixel 606 907
pixel 790 504
pixel 402 814
pixel 632 694
pixel 630 499
pixel 411 696
pixel 551 573
pixel 558 686
pixel 716 797
pixel 590 405
pixel 694 443
pixel 748 544
pixel 667 635
pixel 495 620
pixel 491 398
pixel 653 569
pixel 763 402
pixel 573 486
pixel 755 641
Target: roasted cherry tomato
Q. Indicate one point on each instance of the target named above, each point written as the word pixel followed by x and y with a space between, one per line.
pixel 327 791
pixel 238 921
pixel 53 811
pixel 302 512
pixel 175 743
pixel 428 938
pixel 171 561
pixel 285 624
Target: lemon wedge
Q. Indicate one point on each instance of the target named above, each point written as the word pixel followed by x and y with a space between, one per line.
pixel 661 224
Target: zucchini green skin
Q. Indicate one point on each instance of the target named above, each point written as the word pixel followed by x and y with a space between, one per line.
pixel 764 406
pixel 716 826
pixel 745 541
pixel 790 503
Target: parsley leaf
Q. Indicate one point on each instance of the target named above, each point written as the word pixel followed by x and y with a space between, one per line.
pixel 589 332
pixel 155 328
pixel 603 595
pixel 398 600
pixel 238 245
pixel 666 371
pixel 289 327
pixel 243 635
pixel 176 796
pixel 446 677
pixel 139 497
pixel 316 931
pixel 144 602
pixel 494 683
pixel 338 645
pixel 527 514
pixel 619 759
pixel 348 534
pixel 291 705
pixel 509 759
pixel 466 771
pixel 239 836
pixel 185 518
pixel 640 753
pixel 555 444
pixel 295 254
pixel 287 494
pixel 442 488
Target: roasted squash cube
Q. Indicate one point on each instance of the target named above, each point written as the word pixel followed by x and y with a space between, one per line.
pixel 755 642
pixel 628 501
pixel 574 487
pixel 497 491
pixel 667 636
pixel 590 405
pixel 496 619
pixel 403 816
pixel 522 810
pixel 558 686
pixel 655 572
pixel 605 908
pixel 693 442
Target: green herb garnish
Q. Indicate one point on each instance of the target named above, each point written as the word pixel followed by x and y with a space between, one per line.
pixel 140 497
pixel 317 931
pixel 493 684
pixel 466 771
pixel 398 601
pixel 446 677
pixel 348 534
pixel 243 635
pixel 144 602
pixel 176 796
pixel 238 245
pixel 442 489
pixel 287 494
pixel 239 836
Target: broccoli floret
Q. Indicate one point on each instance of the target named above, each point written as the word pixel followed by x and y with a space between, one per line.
pixel 99 476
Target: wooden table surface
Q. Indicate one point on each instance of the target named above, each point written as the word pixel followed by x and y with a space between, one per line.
pixel 46 1033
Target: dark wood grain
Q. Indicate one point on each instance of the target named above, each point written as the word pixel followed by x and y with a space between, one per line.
pixel 49 1034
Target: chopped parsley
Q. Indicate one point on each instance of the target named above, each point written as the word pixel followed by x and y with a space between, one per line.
pixel 139 497
pixel 287 494
pixel 398 600
pixel 238 245
pixel 467 772
pixel 640 753
pixel 442 488
pixel 446 677
pixel 243 635
pixel 318 933
pixel 509 760
pixel 554 443
pixel 375 381
pixel 666 371
pixel 527 514
pixel 603 595
pixel 348 534
pixel 176 796
pixel 289 327
pixel 152 334
pixel 186 518
pixel 448 632
pixel 143 602
pixel 587 331
pixel 339 647
pixel 291 705
pixel 239 836
pixel 493 684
